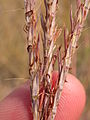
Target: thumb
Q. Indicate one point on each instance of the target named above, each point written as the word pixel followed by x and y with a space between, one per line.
pixel 17 106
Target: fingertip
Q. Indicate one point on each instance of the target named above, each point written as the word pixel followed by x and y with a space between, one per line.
pixel 72 100
pixel 17 105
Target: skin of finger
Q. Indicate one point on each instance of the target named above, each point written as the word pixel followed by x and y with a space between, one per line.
pixel 17 105
pixel 72 101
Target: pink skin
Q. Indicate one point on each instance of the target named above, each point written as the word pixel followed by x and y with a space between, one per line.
pixel 17 105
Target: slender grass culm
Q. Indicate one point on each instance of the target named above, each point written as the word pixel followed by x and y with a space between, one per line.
pixel 45 97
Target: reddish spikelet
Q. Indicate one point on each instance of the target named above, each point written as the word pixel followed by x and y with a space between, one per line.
pixel 65 41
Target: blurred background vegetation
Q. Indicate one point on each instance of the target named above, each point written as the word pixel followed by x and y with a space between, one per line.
pixel 13 53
